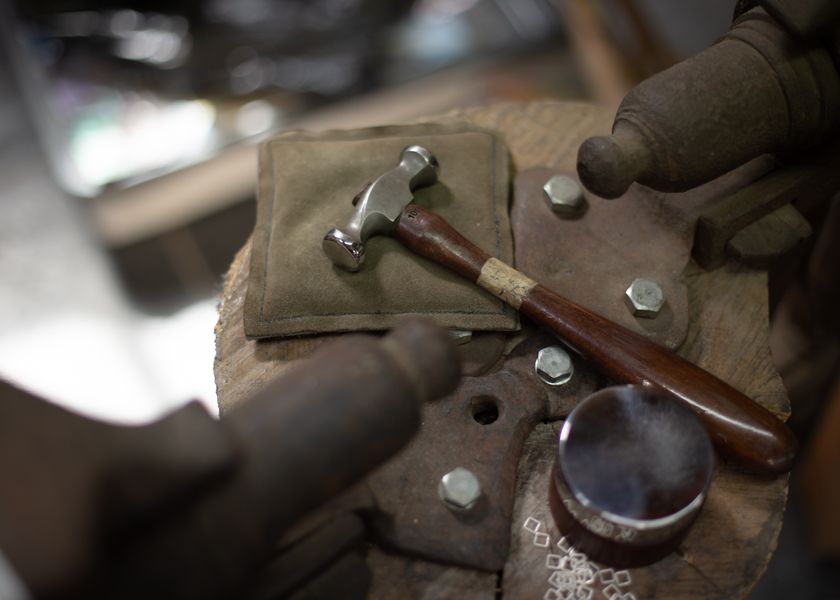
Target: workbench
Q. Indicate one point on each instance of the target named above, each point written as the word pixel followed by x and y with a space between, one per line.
pixel 717 319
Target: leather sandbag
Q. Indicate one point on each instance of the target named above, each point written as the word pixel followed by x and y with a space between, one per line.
pixel 306 185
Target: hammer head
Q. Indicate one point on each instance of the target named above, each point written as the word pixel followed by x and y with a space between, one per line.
pixel 379 206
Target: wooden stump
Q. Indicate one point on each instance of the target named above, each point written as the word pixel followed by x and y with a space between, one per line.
pixel 725 331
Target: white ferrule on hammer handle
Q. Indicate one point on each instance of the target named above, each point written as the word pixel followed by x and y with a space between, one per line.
pixel 505 282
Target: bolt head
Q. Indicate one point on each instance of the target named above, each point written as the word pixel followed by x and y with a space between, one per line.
pixel 459 489
pixel 554 365
pixel 644 298
pixel 564 195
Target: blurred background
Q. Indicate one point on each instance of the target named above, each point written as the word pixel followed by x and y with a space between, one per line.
pixel 128 158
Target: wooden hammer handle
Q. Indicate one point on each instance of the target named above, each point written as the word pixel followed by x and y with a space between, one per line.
pixel 739 427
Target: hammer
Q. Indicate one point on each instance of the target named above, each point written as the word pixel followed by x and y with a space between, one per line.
pixel 739 428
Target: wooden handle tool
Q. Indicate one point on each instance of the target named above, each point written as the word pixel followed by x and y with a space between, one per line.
pixel 739 428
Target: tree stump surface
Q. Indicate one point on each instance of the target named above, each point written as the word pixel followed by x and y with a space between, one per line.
pixel 724 330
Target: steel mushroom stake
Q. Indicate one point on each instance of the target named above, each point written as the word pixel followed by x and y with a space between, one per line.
pixel 739 428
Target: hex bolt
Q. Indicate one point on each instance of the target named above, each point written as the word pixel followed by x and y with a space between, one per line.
pixel 565 196
pixel 459 489
pixel 644 298
pixel 554 365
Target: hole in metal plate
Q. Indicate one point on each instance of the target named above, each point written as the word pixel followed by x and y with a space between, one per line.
pixel 484 409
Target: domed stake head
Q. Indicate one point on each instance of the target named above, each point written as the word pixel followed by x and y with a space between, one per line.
pixel 609 164
pixel 379 206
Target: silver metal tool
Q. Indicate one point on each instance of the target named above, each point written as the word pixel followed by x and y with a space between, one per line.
pixel 632 471
pixel 379 207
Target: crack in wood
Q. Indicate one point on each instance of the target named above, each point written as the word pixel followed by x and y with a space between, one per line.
pixel 679 552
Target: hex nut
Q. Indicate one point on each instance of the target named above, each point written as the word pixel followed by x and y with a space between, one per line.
pixel 565 196
pixel 644 298
pixel 459 489
pixel 554 365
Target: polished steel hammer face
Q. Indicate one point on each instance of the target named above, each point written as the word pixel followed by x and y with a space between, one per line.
pixel 632 471
pixel 379 207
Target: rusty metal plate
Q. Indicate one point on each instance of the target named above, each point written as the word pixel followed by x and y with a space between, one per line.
pixel 481 427
pixel 592 259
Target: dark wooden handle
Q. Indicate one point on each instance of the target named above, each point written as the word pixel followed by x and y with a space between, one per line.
pixel 739 427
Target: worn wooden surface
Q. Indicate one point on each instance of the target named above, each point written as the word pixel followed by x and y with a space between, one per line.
pixel 726 333
pixel 774 235
pixel 730 544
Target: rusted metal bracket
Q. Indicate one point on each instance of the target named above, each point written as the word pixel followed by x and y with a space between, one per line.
pixel 803 183
pixel 482 427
